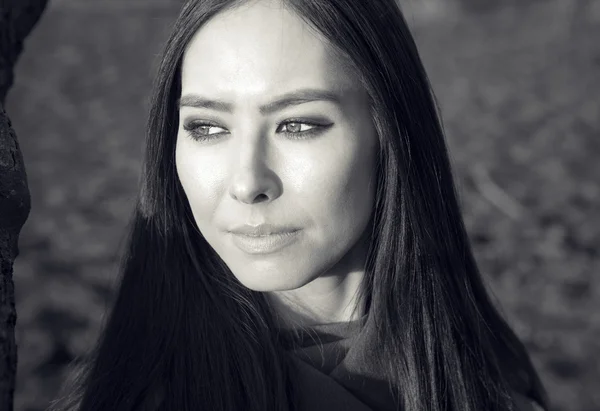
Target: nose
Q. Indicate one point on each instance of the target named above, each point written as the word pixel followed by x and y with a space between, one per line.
pixel 252 180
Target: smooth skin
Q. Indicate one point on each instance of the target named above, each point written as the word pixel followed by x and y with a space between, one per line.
pixel 307 162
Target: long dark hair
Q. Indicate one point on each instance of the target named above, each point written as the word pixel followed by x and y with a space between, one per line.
pixel 184 334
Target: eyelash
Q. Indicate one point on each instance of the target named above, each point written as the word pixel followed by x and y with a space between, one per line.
pixel 193 126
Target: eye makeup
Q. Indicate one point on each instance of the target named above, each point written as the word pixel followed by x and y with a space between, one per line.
pixel 199 130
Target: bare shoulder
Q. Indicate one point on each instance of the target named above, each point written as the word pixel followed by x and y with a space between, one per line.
pixel 525 403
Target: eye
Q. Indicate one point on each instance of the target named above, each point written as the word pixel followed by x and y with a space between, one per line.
pixel 295 127
pixel 300 129
pixel 202 130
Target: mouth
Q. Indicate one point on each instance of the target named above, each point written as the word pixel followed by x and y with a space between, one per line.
pixel 263 234
pixel 262 229
pixel 255 243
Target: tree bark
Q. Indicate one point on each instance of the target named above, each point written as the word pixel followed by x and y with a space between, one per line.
pixel 17 19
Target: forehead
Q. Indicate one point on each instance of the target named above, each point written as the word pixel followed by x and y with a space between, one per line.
pixel 261 48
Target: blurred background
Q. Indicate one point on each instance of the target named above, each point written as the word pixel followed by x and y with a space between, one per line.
pixel 518 82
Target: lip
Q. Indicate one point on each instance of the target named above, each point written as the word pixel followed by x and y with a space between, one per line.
pixel 261 230
pixel 264 244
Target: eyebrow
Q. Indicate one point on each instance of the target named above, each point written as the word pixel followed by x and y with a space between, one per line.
pixel 286 100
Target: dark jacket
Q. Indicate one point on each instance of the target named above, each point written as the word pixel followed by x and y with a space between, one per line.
pixel 336 372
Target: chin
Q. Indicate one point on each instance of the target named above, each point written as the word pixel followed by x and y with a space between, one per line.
pixel 272 280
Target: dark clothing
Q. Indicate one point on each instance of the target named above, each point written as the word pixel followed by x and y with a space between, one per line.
pixel 337 372
pixel 338 354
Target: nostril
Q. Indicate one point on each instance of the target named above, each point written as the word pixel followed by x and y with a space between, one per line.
pixel 260 198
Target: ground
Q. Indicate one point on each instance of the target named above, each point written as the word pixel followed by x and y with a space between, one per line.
pixel 518 85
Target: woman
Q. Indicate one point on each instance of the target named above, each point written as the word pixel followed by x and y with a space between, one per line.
pixel 297 244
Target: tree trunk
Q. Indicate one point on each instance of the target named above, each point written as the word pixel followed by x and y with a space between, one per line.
pixel 17 19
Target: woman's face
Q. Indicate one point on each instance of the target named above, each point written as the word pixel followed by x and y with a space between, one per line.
pixel 275 130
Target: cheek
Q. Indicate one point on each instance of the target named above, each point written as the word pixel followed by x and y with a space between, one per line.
pixel 356 190
pixel 353 172
pixel 342 188
pixel 200 177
